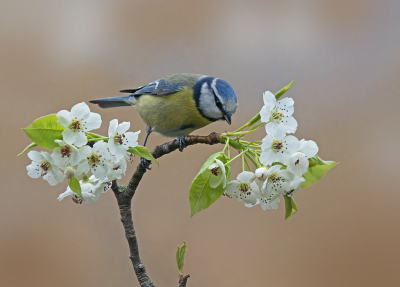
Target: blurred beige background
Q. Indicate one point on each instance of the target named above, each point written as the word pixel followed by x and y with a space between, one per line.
pixel 345 56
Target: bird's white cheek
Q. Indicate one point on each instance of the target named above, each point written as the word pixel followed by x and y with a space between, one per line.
pixel 207 104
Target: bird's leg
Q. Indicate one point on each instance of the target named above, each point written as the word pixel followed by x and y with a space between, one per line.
pixel 144 162
pixel 181 142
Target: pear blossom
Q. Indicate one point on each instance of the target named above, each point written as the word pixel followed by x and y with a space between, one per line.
pixel 294 186
pixel 244 188
pixel 65 154
pixel 218 175
pixel 101 187
pixel 77 123
pixel 298 162
pixel 86 190
pixel 116 169
pixel 277 147
pixel 43 165
pixel 277 182
pixel 269 204
pixel 120 140
pixel 278 113
pixel 96 159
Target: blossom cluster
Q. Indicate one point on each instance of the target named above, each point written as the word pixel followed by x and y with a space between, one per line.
pixel 105 160
pixel 283 159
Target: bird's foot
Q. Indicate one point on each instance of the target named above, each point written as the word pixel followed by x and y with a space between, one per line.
pixel 181 142
pixel 145 163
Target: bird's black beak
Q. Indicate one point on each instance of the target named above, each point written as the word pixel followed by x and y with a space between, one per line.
pixel 228 118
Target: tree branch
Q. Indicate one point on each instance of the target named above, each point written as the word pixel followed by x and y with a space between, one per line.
pixel 183 280
pixel 124 197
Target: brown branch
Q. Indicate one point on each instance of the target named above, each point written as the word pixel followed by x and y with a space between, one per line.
pixel 124 197
pixel 183 280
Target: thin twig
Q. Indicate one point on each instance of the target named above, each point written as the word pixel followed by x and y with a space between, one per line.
pixel 124 197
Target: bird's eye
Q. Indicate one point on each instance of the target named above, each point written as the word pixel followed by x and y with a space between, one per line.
pixel 218 102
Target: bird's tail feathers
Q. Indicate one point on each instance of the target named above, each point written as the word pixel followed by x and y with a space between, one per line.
pixel 112 102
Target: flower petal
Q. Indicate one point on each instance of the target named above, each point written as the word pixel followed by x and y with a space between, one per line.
pixel 290 124
pixel 64 118
pixel 246 176
pixel 131 138
pixel 292 144
pixel 80 111
pixel 271 127
pixel 51 179
pixel 68 136
pixel 123 127
pixel 309 148
pixel 80 139
pixel 33 170
pixel 265 114
pixel 286 104
pixel 75 156
pixel 298 164
pixel 35 156
pixel 112 146
pixel 267 156
pixel 215 180
pixel 92 122
pixel 269 98
pixel 112 128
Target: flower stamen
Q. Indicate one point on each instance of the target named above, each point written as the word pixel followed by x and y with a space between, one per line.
pixel 75 125
pixel 216 170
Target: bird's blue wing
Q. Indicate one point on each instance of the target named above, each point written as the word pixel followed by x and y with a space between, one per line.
pixel 156 88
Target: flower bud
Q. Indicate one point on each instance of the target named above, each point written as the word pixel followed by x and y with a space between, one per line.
pixel 261 176
pixel 69 172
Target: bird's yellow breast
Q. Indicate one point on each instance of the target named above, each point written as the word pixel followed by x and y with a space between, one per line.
pixel 171 115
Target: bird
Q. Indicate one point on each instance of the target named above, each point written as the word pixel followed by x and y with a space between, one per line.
pixel 177 105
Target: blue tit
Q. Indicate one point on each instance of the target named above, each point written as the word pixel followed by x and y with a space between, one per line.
pixel 177 105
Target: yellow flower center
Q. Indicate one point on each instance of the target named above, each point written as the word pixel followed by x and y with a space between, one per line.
pixel 75 125
pixel 275 115
pixel 277 145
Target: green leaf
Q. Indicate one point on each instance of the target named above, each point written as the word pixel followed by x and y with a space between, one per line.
pixel 201 195
pixel 284 90
pixel 75 186
pixel 85 176
pixel 317 169
pixel 290 206
pixel 28 147
pixel 45 130
pixel 142 152
pixel 180 256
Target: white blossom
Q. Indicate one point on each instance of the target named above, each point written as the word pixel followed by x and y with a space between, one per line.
pixel 77 123
pixel 65 154
pixel 101 187
pixel 298 162
pixel 218 175
pixel 294 186
pixel 278 113
pixel 277 182
pixel 120 140
pixel 269 204
pixel 116 169
pixel 244 189
pixel 96 159
pixel 43 165
pixel 277 147
pixel 86 190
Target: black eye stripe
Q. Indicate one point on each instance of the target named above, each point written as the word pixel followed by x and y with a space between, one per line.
pixel 217 101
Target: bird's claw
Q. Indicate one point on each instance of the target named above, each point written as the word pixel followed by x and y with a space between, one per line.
pixel 181 142
pixel 145 163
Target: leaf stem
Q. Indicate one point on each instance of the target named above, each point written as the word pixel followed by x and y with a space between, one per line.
pixel 235 157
